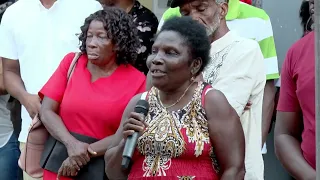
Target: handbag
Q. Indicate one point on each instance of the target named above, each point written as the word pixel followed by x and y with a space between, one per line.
pixel 55 153
pixel 29 160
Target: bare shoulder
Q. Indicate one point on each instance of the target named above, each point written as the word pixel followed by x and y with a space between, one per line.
pixel 216 104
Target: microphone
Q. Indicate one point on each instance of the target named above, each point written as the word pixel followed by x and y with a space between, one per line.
pixel 141 107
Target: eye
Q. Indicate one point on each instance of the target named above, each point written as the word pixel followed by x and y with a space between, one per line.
pixel 154 51
pixel 184 13
pixel 172 52
pixel 89 35
pixel 201 8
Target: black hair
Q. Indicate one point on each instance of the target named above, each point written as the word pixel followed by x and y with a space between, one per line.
pixel 305 16
pixel 120 29
pixel 195 36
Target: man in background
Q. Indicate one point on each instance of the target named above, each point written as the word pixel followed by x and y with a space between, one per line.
pixel 35 36
pixel 253 23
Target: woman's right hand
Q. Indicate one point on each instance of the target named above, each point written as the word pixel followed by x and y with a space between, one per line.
pixel 78 151
pixel 32 103
pixel 135 123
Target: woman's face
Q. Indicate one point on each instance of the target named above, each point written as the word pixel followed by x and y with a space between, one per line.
pixel 99 47
pixel 169 63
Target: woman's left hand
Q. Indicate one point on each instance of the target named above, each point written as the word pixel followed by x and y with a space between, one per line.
pixel 69 167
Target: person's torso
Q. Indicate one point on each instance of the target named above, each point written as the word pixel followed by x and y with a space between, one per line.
pixel 176 144
pixel 95 108
pixel 303 73
pixel 219 67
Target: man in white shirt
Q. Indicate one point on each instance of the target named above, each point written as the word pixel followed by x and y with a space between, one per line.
pixel 35 36
pixel 236 69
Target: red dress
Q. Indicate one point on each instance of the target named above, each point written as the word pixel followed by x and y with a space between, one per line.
pixel 176 145
pixel 92 108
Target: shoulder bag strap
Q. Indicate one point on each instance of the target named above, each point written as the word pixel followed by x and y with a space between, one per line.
pixel 73 64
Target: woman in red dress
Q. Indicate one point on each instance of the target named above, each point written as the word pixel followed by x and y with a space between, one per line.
pixel 191 132
pixel 92 102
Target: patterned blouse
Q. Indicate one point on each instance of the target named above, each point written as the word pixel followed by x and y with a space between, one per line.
pixel 147 24
pixel 176 144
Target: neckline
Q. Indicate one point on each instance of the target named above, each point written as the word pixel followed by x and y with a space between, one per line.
pixel 185 106
pixel 100 78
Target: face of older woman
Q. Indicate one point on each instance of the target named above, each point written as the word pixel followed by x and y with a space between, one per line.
pixel 169 62
pixel 99 47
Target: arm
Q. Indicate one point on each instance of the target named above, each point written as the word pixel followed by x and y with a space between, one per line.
pixel 268 49
pixel 113 156
pixel 287 139
pixel 15 87
pixel 289 125
pixel 228 143
pixel 267 108
pixel 2 88
pixel 53 122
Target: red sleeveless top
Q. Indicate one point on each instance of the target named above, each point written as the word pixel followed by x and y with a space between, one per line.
pixel 176 144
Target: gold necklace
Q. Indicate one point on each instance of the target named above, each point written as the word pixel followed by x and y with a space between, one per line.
pixel 184 93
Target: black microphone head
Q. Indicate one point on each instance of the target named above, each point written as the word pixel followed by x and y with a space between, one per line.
pixel 142 107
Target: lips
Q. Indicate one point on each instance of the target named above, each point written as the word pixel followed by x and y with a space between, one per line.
pixel 157 73
pixel 93 56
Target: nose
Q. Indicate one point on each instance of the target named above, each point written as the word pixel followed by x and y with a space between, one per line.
pixel 92 42
pixel 158 59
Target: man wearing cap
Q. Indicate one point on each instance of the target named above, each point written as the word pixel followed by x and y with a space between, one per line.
pixel 237 69
pixel 253 23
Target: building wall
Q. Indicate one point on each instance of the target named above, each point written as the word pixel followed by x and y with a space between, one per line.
pixel 147 3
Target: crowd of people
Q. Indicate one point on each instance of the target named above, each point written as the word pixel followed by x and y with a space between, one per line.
pixel 207 69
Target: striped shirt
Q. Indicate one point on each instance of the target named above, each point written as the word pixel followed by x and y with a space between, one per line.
pixel 249 22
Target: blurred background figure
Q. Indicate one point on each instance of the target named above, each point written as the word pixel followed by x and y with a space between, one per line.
pixel 146 23
pixel 295 125
pixel 9 124
pixel 35 36
pixel 306 19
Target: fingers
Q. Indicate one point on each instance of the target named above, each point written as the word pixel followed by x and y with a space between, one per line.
pixel 74 164
pixel 137 116
pixel 134 124
pixel 91 151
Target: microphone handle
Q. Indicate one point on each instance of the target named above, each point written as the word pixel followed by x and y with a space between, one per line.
pixel 128 150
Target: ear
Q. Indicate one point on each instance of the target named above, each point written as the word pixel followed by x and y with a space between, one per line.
pixel 195 66
pixel 223 10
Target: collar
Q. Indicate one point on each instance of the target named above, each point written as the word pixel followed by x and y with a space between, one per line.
pixel 234 10
pixel 135 7
pixel 223 42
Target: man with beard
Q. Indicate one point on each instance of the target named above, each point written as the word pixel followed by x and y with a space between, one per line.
pixel 236 69
pixel 253 23
pixel 295 125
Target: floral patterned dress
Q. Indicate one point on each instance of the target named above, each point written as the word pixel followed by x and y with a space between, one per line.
pixel 176 144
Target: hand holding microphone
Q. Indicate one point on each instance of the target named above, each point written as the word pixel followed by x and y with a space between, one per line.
pixel 132 128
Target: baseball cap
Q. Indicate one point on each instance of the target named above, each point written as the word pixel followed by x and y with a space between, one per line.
pixel 176 3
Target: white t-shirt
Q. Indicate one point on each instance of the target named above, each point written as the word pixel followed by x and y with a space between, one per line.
pixel 237 69
pixel 39 38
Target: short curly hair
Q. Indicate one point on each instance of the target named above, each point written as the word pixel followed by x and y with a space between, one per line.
pixel 195 36
pixel 120 29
